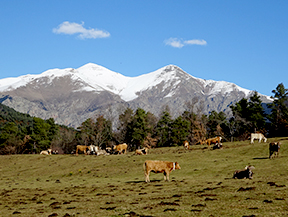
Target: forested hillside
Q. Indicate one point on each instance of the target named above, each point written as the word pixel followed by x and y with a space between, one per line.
pixel 21 133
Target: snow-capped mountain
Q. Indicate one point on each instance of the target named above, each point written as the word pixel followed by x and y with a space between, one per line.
pixel 71 96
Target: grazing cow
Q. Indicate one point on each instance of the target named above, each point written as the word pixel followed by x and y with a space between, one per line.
pixel 165 167
pixel 243 174
pixel 143 151
pixel 186 144
pixel 82 148
pixel 120 148
pixel 46 152
pixel 213 140
pixel 258 136
pixel 274 147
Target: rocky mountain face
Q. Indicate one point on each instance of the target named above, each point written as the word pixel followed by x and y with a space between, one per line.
pixel 71 96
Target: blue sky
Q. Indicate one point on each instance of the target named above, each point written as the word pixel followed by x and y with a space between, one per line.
pixel 243 42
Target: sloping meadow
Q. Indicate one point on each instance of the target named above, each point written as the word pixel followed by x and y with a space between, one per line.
pixel 69 185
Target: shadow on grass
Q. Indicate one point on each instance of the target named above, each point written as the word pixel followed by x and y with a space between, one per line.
pixel 260 158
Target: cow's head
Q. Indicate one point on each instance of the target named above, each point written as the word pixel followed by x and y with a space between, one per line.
pixel 177 166
pixel 249 168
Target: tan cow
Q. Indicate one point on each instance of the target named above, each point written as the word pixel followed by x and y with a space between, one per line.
pixel 213 140
pixel 165 167
pixel 46 152
pixel 120 148
pixel 143 151
pixel 186 144
pixel 82 148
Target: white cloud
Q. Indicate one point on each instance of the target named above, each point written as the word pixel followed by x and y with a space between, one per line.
pixel 196 42
pixel 76 28
pixel 174 42
pixel 179 43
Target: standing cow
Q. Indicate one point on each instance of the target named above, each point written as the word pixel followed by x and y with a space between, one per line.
pixel 165 167
pixel 82 148
pixel 214 140
pixel 274 147
pixel 120 148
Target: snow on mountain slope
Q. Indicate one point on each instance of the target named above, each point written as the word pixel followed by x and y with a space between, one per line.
pixel 98 78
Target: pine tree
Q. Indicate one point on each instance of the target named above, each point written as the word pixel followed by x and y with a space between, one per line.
pixel 279 113
pixel 163 129
pixel 179 130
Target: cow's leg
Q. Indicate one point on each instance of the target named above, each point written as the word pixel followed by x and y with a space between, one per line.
pixel 147 176
pixel 165 174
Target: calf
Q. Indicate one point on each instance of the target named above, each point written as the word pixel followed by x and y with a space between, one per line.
pixel 274 147
pixel 46 152
pixel 143 151
pixel 165 167
pixel 244 174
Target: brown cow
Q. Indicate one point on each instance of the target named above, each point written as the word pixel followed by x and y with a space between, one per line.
pixel 120 148
pixel 213 140
pixel 143 151
pixel 186 144
pixel 82 148
pixel 165 167
pixel 274 147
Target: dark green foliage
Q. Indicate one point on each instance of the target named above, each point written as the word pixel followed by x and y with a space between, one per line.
pixel 217 125
pixel 248 117
pixel 137 129
pixel 179 130
pixel 163 129
pixel 279 114
pixel 95 132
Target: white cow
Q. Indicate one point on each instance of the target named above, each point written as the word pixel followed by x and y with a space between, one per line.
pixel 46 152
pixel 93 149
pixel 258 136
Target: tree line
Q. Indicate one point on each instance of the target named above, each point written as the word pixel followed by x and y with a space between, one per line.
pixel 21 133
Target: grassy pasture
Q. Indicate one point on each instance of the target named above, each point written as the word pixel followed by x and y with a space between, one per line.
pixel 68 185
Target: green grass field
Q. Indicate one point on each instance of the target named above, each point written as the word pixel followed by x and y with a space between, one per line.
pixel 68 185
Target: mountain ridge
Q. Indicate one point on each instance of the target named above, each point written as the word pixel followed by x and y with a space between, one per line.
pixel 71 95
